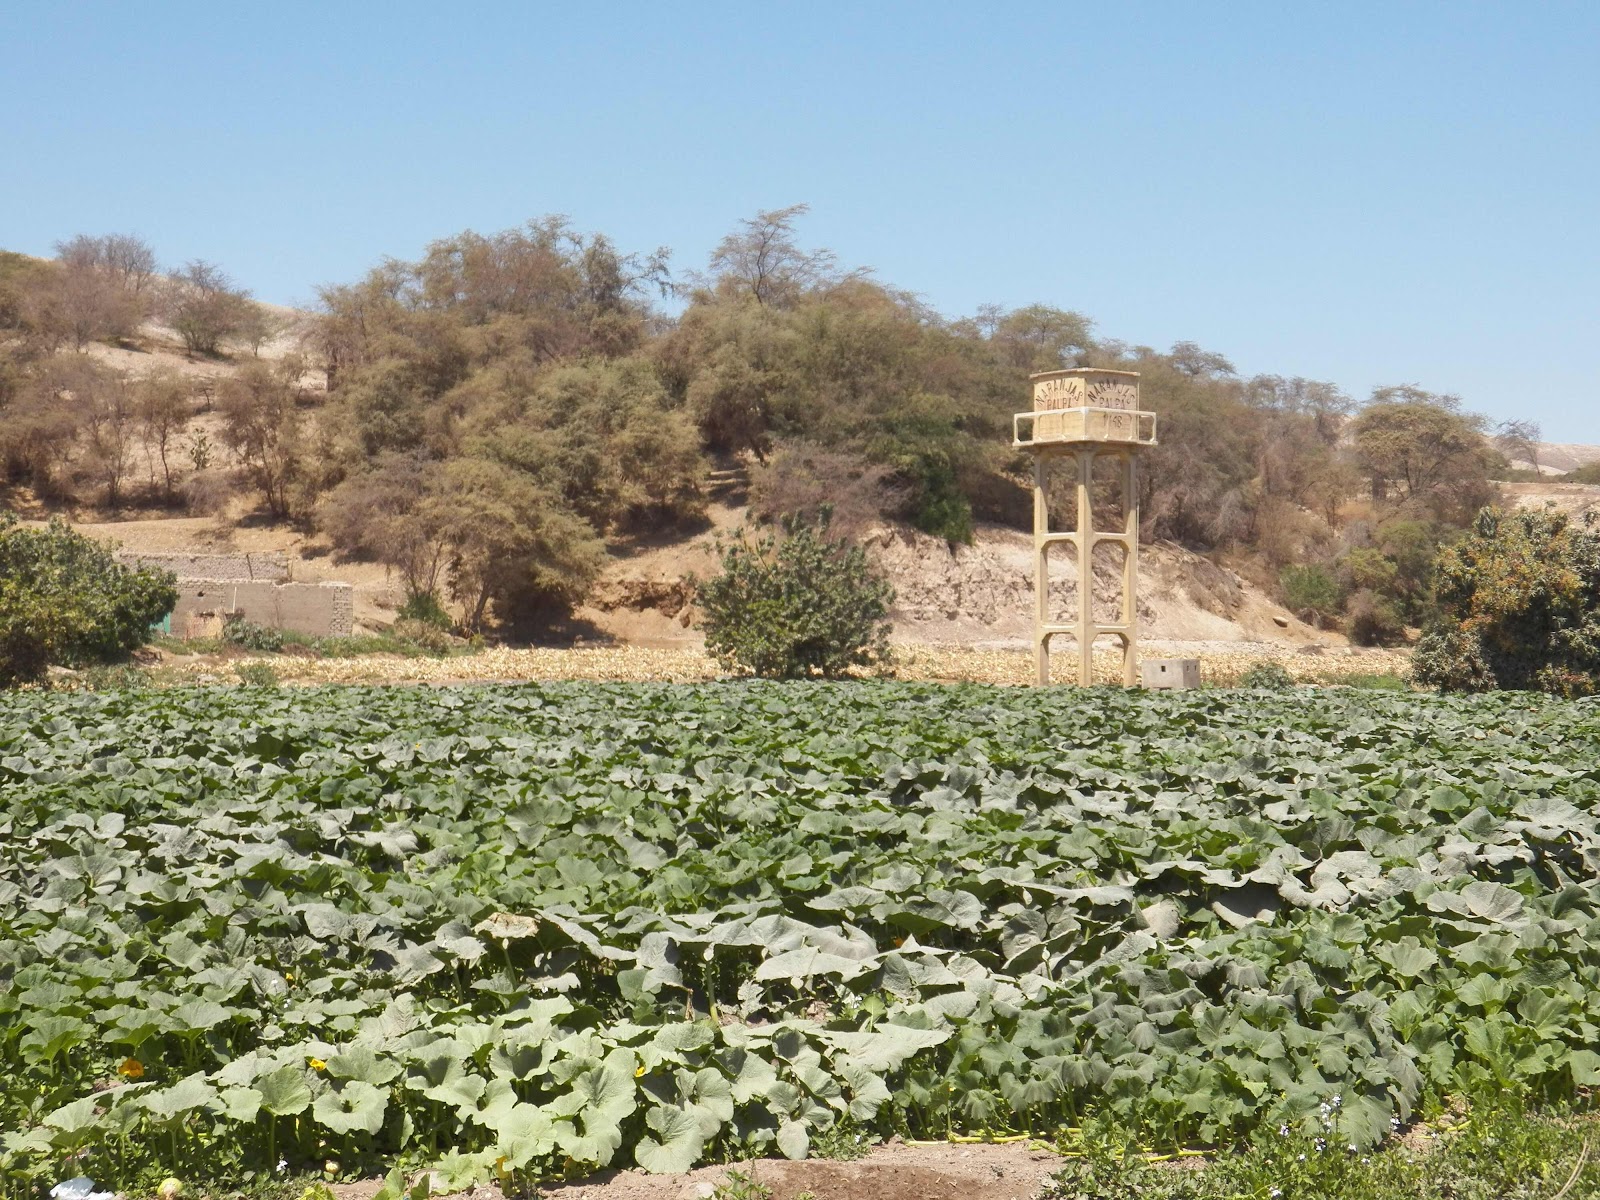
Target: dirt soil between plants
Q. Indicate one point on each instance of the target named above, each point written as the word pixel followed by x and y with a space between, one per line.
pixel 892 1172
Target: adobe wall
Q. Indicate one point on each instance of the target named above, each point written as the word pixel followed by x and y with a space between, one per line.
pixel 269 566
pixel 314 609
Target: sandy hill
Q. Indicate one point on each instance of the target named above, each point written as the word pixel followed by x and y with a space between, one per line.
pixel 1571 498
pixel 159 347
pixel 1557 458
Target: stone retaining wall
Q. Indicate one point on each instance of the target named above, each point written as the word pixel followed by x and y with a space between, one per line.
pixel 314 609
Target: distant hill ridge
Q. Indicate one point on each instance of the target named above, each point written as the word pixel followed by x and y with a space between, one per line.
pixel 1563 457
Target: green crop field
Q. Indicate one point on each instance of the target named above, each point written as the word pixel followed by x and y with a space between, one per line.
pixel 540 929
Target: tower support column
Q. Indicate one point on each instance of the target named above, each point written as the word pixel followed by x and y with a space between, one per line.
pixel 1081 416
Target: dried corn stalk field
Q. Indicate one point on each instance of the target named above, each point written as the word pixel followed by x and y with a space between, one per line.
pixel 642 664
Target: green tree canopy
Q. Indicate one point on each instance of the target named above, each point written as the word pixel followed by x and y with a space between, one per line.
pixel 1420 451
pixel 1519 607
pixel 64 600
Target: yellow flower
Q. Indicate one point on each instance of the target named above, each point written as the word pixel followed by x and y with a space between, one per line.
pixel 131 1068
pixel 639 1072
pixel 318 1065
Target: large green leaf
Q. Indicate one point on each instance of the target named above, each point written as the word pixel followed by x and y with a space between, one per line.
pixel 76 1117
pixel 794 1140
pixel 679 1137
pixel 49 1036
pixel 363 1063
pixel 524 1132
pixel 353 1107
pixel 240 1104
pixel 192 1092
pixel 284 1092
pixel 606 1090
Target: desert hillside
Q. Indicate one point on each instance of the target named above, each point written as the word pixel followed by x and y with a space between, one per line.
pixel 978 595
pixel 1557 458
pixel 1571 498
pixel 512 426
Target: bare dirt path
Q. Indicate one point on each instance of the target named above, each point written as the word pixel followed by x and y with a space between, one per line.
pixel 893 1172
pixel 889 1173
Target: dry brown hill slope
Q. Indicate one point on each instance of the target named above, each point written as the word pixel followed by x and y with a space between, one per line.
pixel 979 595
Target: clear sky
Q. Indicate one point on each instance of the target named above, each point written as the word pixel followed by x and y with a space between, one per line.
pixel 1366 193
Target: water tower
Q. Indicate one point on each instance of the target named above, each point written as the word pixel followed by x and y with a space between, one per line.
pixel 1082 418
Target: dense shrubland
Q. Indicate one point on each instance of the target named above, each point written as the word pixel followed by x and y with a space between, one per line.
pixel 499 409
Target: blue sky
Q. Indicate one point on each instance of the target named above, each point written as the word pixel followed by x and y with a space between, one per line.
pixel 1365 193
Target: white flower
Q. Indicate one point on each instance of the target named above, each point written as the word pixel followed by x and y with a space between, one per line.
pixel 1283 1131
pixel 1302 1158
pixel 283 1165
pixel 81 1188
pixel 1276 1192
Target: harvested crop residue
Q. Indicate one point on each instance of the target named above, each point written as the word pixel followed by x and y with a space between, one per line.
pixel 660 664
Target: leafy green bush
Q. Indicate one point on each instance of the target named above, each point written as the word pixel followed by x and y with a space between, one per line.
pixel 938 505
pixel 247 635
pixel 114 677
pixel 1373 682
pixel 1519 607
pixel 1389 584
pixel 424 635
pixel 65 600
pixel 1311 593
pixel 922 442
pixel 798 606
pixel 1374 619
pixel 256 674
pixel 424 607
pixel 1367 567
pixel 1268 675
